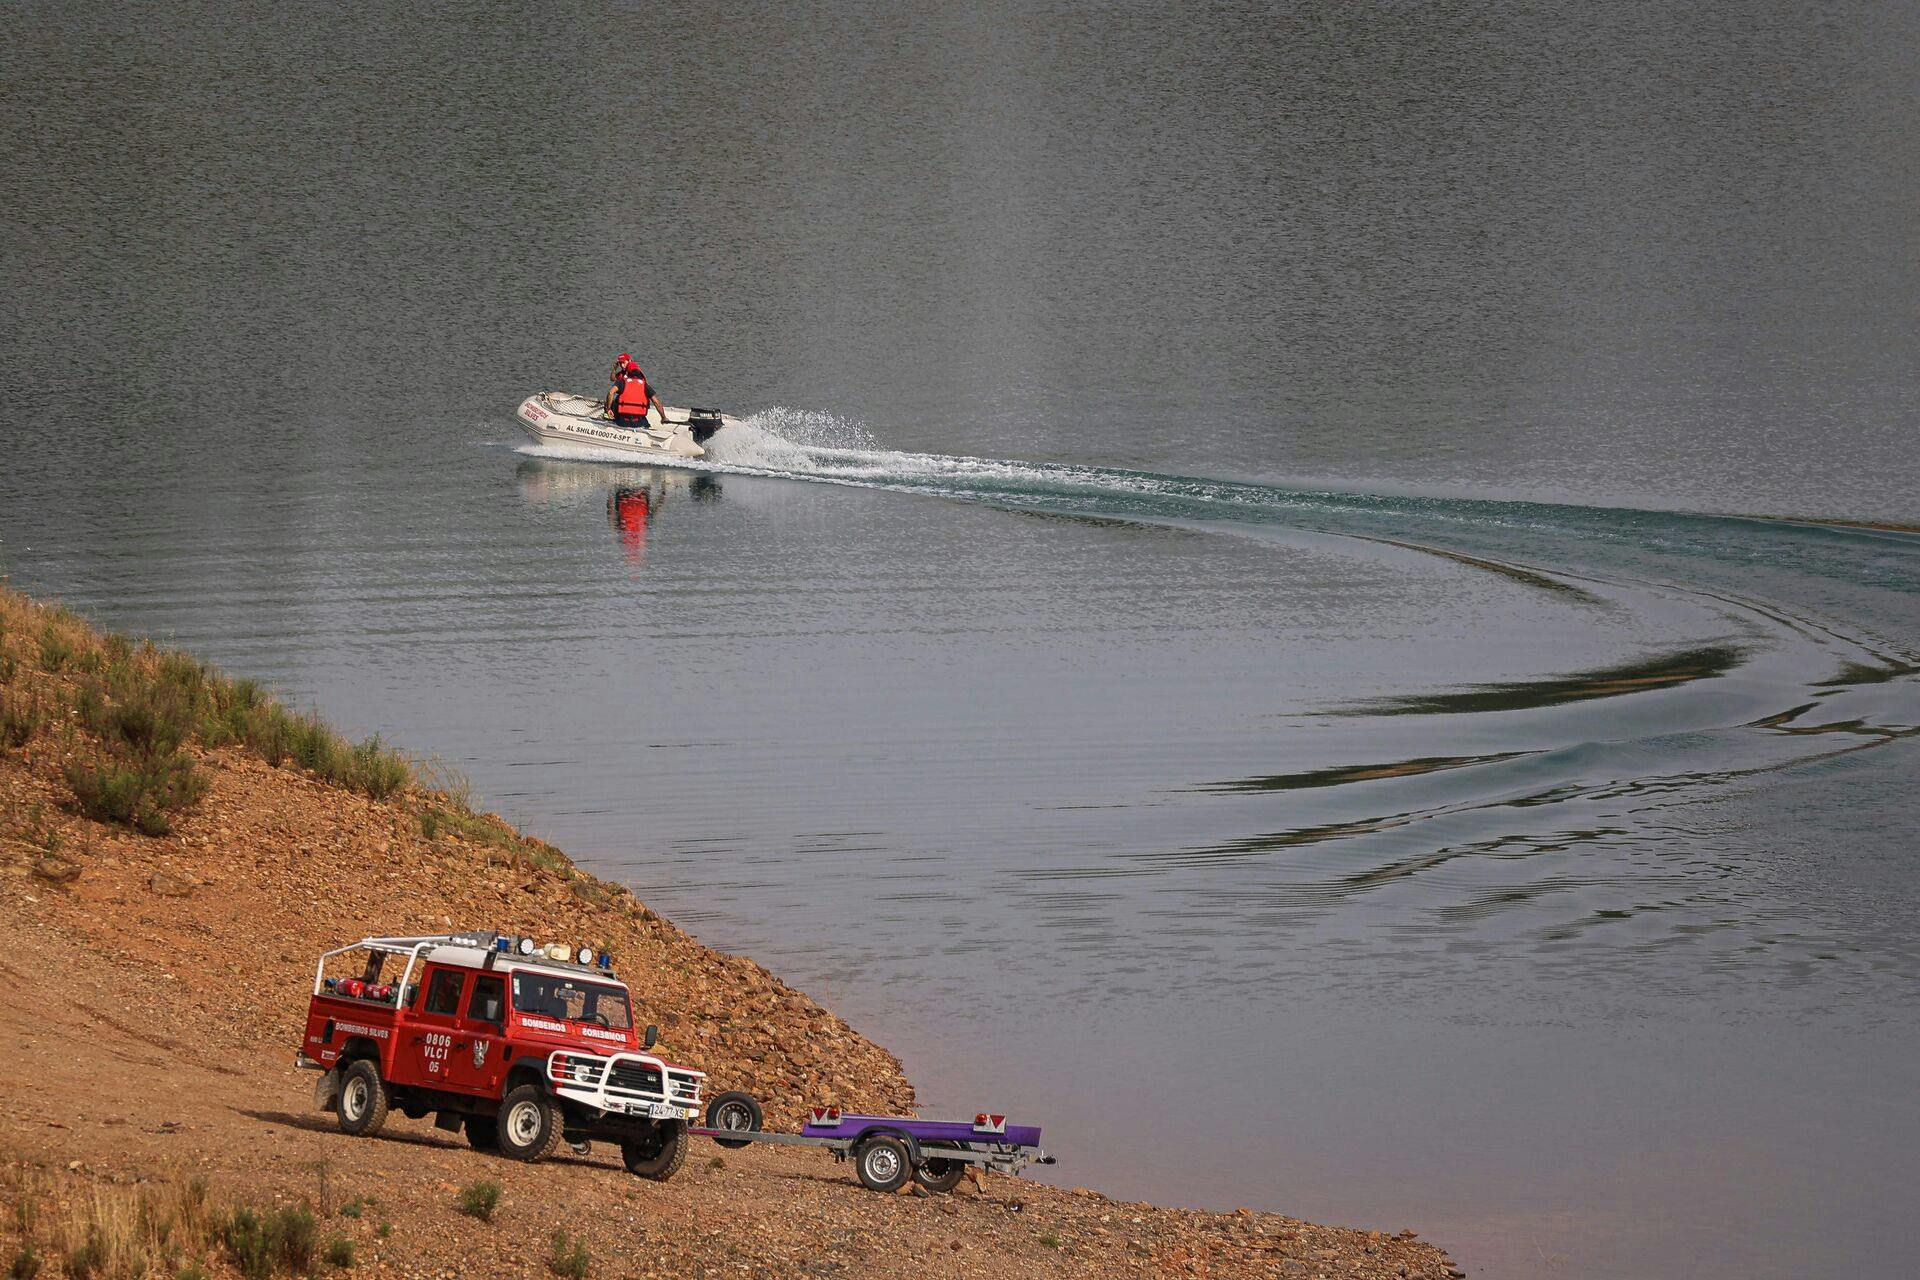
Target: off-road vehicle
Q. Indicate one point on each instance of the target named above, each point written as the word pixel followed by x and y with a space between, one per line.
pixel 519 1044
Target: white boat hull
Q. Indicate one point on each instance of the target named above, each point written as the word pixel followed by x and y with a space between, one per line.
pixel 555 417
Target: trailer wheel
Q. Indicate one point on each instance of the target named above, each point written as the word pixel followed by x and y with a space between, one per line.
pixel 363 1102
pixel 734 1110
pixel 882 1163
pixel 936 1174
pixel 483 1133
pixel 527 1127
pixel 658 1155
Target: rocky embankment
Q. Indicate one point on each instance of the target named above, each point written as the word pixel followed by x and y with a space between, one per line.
pixel 175 849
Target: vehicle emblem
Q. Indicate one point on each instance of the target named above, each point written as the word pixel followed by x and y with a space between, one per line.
pixel 480 1053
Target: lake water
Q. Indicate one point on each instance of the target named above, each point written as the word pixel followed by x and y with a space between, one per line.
pixel 1242 625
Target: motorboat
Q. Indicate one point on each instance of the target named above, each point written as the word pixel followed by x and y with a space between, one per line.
pixel 557 417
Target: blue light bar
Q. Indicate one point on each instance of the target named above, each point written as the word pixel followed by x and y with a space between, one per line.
pixel 503 943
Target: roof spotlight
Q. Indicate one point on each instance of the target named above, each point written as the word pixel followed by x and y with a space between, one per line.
pixel 526 946
pixel 557 951
pixel 584 955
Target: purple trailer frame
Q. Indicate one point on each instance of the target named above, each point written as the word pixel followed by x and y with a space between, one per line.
pixel 887 1150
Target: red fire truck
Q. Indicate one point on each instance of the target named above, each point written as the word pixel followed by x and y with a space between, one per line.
pixel 520 1044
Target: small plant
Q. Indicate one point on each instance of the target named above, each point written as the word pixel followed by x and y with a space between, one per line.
pixel 384 1230
pixel 249 1244
pixel 142 793
pixel 376 769
pixel 430 823
pixel 261 1244
pixel 192 1271
pixel 716 1163
pixel 57 648
pixel 89 1257
pixel 298 1236
pixel 480 1199
pixel 21 716
pixel 26 1263
pixel 340 1252
pixel 1051 1241
pixel 354 1207
pixel 569 1258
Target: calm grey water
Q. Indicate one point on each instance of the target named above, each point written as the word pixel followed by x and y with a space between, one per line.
pixel 1236 628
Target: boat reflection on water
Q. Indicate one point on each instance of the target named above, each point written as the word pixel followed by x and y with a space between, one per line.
pixel 634 495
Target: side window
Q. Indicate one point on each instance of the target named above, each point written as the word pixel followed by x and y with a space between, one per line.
pixel 443 992
pixel 488 1001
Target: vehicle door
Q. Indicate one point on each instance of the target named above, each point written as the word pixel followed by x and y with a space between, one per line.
pixel 433 1029
pixel 479 1061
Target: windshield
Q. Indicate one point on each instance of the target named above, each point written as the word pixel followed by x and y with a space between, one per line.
pixel 575 1001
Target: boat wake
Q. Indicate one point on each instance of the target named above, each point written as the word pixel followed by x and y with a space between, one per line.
pixel 1760 645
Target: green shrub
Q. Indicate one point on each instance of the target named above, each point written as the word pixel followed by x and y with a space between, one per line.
pixel 21 716
pixel 250 1244
pixel 430 823
pixel 142 793
pixel 480 1199
pixel 261 1244
pixel 569 1258
pixel 377 770
pixel 340 1252
pixel 192 1271
pixel 26 1263
pixel 89 1257
pixel 354 1207
pixel 384 1230
pixel 317 747
pixel 57 649
pixel 298 1237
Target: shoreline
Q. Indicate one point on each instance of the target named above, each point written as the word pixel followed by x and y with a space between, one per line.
pixel 176 943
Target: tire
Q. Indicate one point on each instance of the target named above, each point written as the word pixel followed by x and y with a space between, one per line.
pixel 659 1156
pixel 734 1110
pixel 936 1174
pixel 363 1101
pixel 882 1163
pixel 527 1128
pixel 483 1133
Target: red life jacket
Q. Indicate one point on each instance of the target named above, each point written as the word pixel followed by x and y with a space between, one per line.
pixel 634 397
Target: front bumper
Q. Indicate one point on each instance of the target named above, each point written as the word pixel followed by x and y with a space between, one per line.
pixel 628 1084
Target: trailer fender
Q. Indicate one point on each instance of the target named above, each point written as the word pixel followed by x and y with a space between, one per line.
pixel 875 1130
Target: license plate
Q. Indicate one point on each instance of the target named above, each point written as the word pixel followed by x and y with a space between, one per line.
pixel 663 1111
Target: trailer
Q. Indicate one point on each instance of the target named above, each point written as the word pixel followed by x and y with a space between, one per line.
pixel 886 1151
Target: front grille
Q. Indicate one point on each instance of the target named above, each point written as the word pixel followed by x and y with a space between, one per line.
pixel 635 1077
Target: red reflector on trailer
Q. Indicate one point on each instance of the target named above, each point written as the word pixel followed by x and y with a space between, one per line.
pixel 985 1123
pixel 826 1117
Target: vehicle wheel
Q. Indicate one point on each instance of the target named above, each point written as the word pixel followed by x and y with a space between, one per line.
pixel 734 1110
pixel 527 1127
pixel 363 1102
pixel 483 1133
pixel 660 1154
pixel 936 1174
pixel 882 1163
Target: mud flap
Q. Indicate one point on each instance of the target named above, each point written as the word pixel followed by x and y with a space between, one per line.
pixel 326 1090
